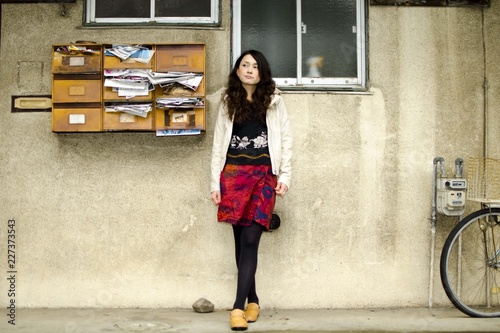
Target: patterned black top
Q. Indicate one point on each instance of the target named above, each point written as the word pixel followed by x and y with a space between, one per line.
pixel 249 144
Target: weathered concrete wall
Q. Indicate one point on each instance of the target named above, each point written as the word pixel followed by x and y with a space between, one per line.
pixel 125 220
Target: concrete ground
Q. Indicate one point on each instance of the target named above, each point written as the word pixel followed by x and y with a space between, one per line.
pixel 271 320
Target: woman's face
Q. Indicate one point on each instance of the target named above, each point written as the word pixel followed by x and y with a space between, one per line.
pixel 248 71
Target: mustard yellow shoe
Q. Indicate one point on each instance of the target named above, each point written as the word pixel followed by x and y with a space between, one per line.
pixel 252 312
pixel 237 320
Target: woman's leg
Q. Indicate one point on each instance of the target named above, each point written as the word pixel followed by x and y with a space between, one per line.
pixel 252 294
pixel 246 249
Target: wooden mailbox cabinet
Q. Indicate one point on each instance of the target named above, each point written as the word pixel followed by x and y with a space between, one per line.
pixel 85 101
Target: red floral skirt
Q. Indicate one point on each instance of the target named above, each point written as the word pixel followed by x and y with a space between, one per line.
pixel 247 194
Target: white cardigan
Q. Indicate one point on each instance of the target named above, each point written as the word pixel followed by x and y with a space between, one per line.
pixel 279 138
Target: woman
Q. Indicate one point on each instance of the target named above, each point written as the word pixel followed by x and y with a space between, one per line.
pixel 251 164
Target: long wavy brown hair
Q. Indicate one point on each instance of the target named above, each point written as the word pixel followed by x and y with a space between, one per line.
pixel 235 95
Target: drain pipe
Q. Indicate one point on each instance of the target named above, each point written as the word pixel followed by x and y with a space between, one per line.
pixel 437 160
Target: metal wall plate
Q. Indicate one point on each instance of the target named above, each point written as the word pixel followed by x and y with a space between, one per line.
pixel 31 103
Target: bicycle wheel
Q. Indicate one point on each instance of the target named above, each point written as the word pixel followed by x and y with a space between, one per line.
pixel 470 264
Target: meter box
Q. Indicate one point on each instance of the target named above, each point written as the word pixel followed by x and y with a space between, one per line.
pixel 451 196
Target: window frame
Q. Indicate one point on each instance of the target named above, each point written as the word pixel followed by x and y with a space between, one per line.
pixel 90 19
pixel 359 83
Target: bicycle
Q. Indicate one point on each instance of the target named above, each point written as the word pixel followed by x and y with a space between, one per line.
pixel 470 258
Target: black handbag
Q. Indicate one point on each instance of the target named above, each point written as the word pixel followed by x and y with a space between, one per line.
pixel 275 222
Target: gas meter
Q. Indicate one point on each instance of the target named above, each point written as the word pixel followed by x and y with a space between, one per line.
pixel 451 196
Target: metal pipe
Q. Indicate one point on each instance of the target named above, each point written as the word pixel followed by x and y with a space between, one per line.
pixel 485 91
pixel 459 167
pixel 437 160
pixel 431 271
pixel 459 265
pixel 485 118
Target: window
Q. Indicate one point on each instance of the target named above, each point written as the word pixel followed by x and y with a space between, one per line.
pixel 310 44
pixel 152 12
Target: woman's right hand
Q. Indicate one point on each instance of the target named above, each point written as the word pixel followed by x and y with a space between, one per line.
pixel 216 197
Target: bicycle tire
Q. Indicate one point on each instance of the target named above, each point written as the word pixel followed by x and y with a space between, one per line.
pixel 472 248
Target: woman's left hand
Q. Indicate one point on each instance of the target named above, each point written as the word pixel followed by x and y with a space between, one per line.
pixel 215 197
pixel 281 189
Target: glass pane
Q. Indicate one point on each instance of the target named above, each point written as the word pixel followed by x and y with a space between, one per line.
pixel 122 8
pixel 183 8
pixel 269 26
pixel 329 46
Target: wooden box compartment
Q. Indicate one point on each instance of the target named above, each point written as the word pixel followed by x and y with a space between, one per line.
pixel 121 121
pixel 110 95
pixel 113 62
pixel 79 119
pixel 77 63
pixel 180 91
pixel 180 118
pixel 75 90
pixel 180 58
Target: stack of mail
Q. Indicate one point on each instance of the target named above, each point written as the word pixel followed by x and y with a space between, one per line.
pixel 138 82
pixel 74 49
pixel 132 52
pixel 140 110
pixel 178 102
pixel 176 132
pixel 190 80
pixel 128 82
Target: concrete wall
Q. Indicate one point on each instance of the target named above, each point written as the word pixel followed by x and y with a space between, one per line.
pixel 125 220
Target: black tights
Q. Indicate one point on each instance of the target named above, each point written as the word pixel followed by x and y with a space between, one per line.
pixel 246 243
